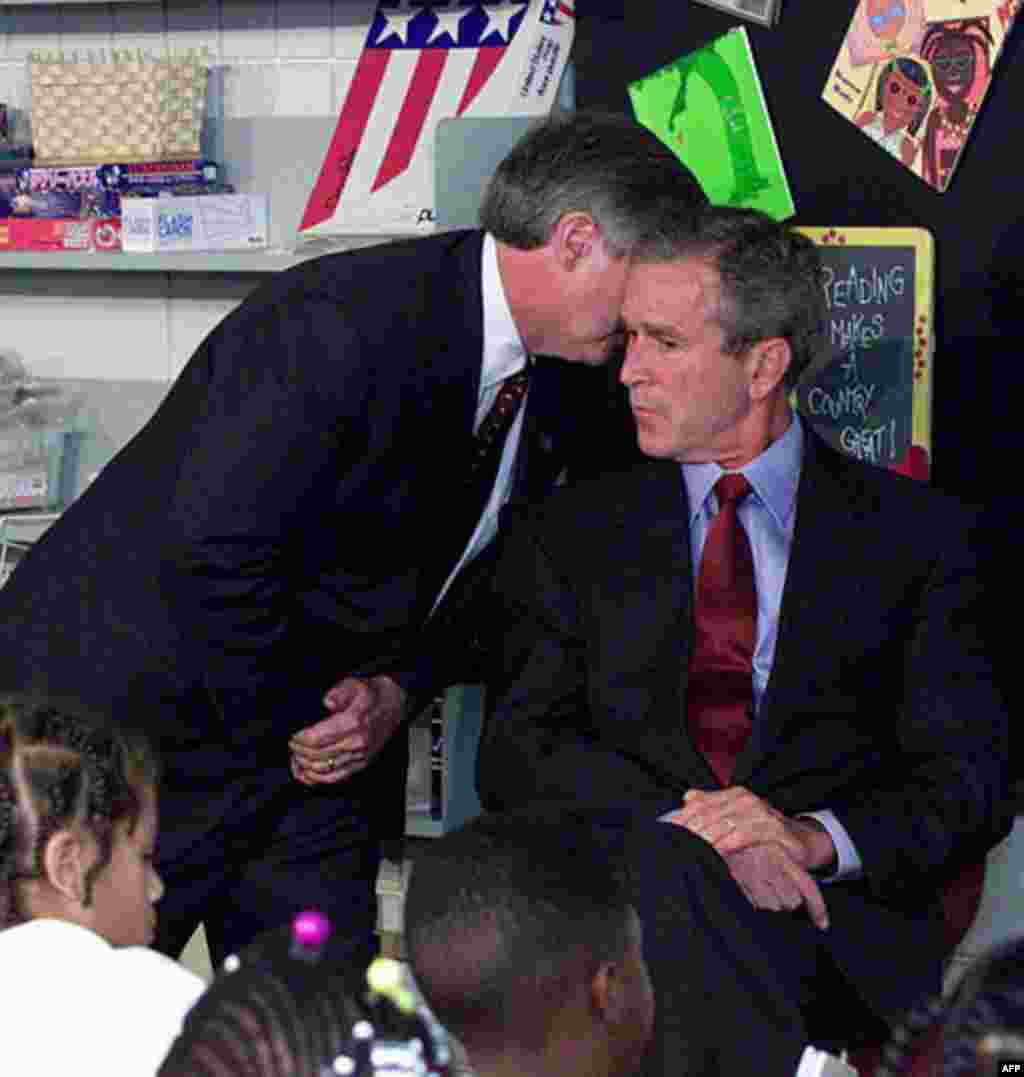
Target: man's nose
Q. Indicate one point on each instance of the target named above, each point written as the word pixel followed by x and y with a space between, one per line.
pixel 632 365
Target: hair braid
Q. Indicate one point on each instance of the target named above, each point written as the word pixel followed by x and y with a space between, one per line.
pixel 60 767
pixel 276 1014
pixel 7 831
pixel 989 998
pixel 910 1036
pixel 280 1026
pixel 226 1050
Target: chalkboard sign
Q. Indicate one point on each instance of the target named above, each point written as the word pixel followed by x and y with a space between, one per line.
pixel 871 398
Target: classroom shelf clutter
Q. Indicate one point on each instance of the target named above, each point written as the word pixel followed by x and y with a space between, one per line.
pixel 109 159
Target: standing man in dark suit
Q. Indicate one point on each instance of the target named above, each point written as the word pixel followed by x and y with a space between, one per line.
pixel 792 785
pixel 256 572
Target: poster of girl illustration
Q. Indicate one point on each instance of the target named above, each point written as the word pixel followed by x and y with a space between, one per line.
pixel 912 75
pixel 960 54
pixel 903 95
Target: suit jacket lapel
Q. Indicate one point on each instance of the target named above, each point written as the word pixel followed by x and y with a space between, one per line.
pixel 825 551
pixel 577 422
pixel 538 462
pixel 470 320
pixel 656 619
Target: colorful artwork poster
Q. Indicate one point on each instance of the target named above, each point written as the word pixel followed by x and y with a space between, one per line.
pixel 709 107
pixel 912 76
pixel 870 397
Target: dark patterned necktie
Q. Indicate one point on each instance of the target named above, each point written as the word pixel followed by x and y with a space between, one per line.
pixel 488 446
pixel 495 425
pixel 720 689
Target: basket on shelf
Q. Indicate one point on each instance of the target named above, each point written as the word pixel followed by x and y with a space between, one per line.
pixel 130 108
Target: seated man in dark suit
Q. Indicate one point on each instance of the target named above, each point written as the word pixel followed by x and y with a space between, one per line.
pixel 755 665
pixel 523 941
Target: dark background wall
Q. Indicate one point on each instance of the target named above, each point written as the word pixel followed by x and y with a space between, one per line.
pixel 838 176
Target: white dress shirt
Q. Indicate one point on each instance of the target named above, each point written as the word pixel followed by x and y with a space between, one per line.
pixel 504 355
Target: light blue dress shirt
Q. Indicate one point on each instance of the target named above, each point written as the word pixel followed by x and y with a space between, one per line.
pixel 768 515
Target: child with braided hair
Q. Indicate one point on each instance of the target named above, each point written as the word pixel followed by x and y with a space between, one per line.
pixel 970 1030
pixel 293 1005
pixel 80 992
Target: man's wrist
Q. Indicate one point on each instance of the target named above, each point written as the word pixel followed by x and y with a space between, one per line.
pixel 822 858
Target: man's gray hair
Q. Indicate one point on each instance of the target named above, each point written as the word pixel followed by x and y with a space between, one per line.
pixel 603 164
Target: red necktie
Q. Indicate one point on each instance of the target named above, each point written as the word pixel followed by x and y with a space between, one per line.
pixel 720 695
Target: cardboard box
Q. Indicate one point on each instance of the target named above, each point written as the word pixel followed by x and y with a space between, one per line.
pixel 119 177
pixel 60 234
pixel 215 222
pixel 57 204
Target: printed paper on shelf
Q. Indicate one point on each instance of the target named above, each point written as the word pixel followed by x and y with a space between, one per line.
pixel 913 74
pixel 421 64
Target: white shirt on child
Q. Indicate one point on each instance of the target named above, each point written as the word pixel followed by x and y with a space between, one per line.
pixel 70 1003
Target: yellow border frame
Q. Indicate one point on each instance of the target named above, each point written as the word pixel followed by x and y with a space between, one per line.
pixel 924 316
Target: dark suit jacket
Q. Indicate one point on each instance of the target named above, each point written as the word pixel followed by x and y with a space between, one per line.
pixel 880 705
pixel 280 522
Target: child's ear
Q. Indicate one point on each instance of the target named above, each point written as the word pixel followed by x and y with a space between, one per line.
pixel 65 865
pixel 606 993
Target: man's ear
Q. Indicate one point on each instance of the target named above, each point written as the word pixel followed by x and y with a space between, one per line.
pixel 66 861
pixel 768 360
pixel 573 238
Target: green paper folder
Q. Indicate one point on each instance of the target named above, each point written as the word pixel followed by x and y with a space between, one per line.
pixel 708 106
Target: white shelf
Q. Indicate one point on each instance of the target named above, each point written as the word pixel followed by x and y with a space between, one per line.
pixel 198 262
pixel 97 261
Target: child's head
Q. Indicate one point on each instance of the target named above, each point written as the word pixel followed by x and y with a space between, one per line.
pixel 78 820
pixel 970 1030
pixel 522 936
pixel 280 1008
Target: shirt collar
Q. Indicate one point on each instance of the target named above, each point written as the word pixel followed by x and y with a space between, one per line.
pixel 773 476
pixel 504 353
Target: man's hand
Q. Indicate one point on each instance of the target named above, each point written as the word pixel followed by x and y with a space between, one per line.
pixel 734 819
pixel 364 716
pixel 770 879
pixel 753 837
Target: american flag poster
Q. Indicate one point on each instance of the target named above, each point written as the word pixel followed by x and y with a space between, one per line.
pixel 422 63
